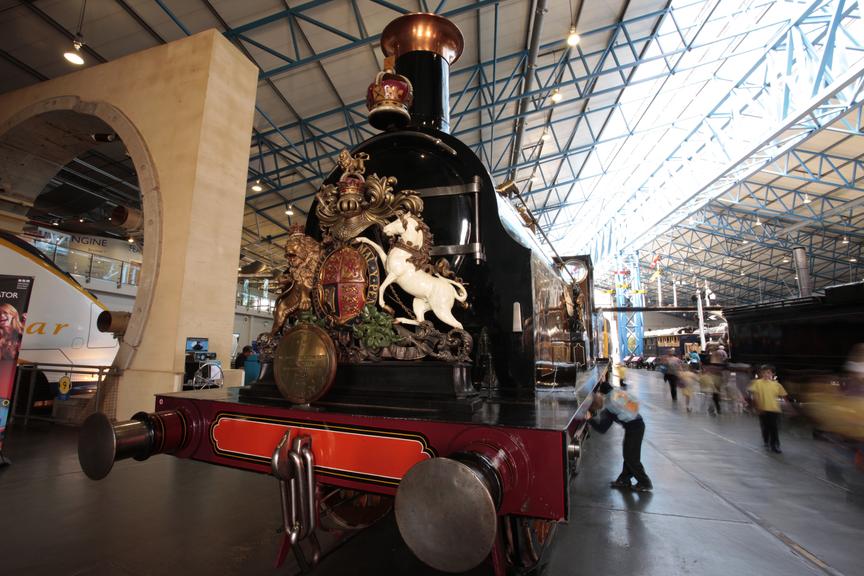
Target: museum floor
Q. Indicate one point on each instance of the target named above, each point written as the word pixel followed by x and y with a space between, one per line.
pixel 721 505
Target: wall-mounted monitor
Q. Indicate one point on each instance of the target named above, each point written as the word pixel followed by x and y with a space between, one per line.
pixel 196 344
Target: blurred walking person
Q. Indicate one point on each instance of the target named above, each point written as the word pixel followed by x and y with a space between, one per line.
pixel 687 383
pixel 765 394
pixel 671 374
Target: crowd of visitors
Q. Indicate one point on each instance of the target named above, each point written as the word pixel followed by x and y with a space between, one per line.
pixel 833 405
pixel 705 386
pixel 709 386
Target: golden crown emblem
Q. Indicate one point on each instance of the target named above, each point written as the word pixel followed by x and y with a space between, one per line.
pixel 388 99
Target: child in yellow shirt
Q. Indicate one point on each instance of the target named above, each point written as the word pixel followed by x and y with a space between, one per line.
pixel 621 372
pixel 765 393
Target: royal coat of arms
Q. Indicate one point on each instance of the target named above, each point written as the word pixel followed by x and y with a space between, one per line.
pixel 350 272
pixel 347 280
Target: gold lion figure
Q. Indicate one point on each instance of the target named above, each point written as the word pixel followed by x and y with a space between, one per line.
pixel 352 165
pixel 302 254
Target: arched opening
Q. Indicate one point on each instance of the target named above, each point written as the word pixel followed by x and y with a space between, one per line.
pixel 73 171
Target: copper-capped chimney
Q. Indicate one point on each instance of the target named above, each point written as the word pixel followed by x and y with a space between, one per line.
pixel 424 46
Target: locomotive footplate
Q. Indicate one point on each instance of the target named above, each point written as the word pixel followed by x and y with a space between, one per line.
pixel 370 447
pixel 514 456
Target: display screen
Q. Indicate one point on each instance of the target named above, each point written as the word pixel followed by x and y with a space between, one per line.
pixel 196 344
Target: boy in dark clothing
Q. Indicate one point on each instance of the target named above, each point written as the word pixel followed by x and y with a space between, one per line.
pixel 618 406
pixel 240 361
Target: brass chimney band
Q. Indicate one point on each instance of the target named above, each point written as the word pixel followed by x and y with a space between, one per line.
pixel 422 32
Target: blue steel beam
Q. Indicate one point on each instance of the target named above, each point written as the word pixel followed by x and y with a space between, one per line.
pixel 576 80
pixel 559 154
pixel 720 251
pixel 730 290
pixel 562 153
pixel 502 100
pixel 833 172
pixel 799 121
pixel 353 42
pixel 696 270
pixel 724 254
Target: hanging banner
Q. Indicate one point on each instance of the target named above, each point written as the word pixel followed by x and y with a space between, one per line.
pixel 14 297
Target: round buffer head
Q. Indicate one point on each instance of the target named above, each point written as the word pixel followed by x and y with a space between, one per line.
pixel 446 514
pixel 97 446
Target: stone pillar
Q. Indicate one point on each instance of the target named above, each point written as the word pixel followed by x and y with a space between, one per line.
pixel 184 111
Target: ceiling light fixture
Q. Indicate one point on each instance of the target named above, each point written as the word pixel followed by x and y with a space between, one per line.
pixel 74 56
pixel 289 210
pixel 758 222
pixel 572 37
pixel 853 259
pixel 557 96
pixel 806 199
pixel 55 223
pixel 845 239
pixel 546 136
pixel 131 240
pixel 256 187
pixel 785 260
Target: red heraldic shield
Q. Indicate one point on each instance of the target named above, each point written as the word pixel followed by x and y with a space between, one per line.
pixel 342 284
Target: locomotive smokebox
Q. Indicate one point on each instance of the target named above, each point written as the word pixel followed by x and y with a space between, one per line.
pixel 424 47
pixel 446 510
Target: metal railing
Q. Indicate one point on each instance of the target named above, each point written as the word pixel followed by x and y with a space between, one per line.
pixel 32 372
pixel 255 295
pixel 91 266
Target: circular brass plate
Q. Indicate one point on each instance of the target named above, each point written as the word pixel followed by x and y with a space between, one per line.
pixel 97 446
pixel 304 364
pixel 446 515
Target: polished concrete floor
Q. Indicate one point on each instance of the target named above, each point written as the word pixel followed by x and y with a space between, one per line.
pixel 721 505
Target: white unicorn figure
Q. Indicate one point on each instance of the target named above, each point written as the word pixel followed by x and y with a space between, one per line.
pixel 431 291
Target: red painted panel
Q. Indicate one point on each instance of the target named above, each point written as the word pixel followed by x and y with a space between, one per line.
pixel 537 456
pixel 348 451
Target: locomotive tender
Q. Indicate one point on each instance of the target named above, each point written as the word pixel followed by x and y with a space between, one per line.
pixel 802 337
pixel 424 347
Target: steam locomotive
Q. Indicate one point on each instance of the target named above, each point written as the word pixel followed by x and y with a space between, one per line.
pixel 424 349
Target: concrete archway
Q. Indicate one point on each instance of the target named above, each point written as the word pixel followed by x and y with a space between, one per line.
pixel 184 111
pixel 48 124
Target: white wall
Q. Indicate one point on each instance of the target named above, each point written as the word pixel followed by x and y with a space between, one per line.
pixel 250 324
